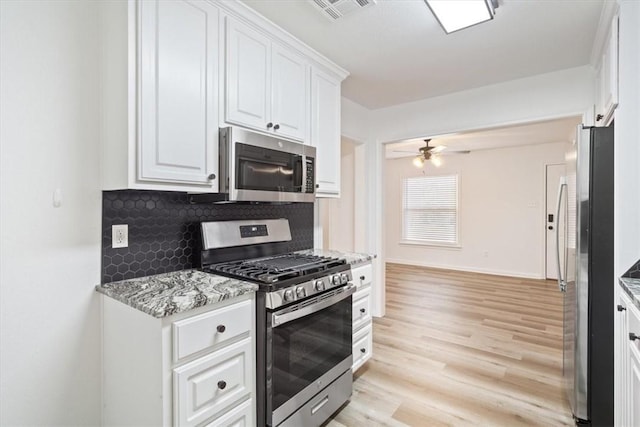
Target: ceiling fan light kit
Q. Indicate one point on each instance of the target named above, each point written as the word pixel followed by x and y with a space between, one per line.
pixel 460 14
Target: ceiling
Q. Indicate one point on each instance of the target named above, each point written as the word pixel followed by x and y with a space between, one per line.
pixel 560 130
pixel 396 52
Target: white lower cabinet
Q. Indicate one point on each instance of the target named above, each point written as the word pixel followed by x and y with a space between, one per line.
pixel 362 320
pixel 193 368
pixel 628 353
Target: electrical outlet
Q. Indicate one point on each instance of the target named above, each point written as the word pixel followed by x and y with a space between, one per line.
pixel 119 236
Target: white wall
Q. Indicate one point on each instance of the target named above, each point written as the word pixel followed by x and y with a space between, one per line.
pixel 50 263
pixel 559 94
pixel 501 211
pixel 338 215
pixel 627 137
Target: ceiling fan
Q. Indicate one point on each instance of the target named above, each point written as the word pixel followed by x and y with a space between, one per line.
pixel 432 153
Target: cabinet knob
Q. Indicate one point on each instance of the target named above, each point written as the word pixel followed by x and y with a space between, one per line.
pixel 363 350
pixel 317 185
pixel 362 277
pixel 276 127
pixel 633 337
pixel 551 227
pixel 362 310
pixel 221 328
pixel 621 307
pixel 599 117
pixel 222 385
pixel 269 125
pixel 212 177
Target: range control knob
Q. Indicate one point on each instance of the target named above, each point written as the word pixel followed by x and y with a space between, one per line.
pixel 344 278
pixel 319 285
pixel 300 292
pixel 335 280
pixel 288 295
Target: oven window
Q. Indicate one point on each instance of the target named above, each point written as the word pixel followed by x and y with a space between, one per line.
pixel 268 170
pixel 306 348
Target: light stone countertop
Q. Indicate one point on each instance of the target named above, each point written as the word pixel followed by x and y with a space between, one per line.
pixel 352 258
pixel 165 294
pixel 632 287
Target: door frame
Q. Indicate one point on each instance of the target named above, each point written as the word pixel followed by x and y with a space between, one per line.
pixel 545 212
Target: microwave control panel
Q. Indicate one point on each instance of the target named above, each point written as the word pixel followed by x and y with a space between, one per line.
pixel 311 176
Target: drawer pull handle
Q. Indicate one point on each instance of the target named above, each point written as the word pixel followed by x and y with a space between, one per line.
pixel 363 350
pixel 362 278
pixel 222 385
pixel 621 307
pixel 221 328
pixel 633 336
pixel 362 310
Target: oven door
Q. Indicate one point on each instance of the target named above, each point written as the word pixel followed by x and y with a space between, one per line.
pixel 310 347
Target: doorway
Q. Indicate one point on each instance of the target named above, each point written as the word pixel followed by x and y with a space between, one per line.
pixel 552 178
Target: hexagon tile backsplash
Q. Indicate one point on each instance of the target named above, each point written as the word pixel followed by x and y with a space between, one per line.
pixel 164 229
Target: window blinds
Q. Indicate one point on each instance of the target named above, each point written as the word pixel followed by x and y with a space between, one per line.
pixel 430 209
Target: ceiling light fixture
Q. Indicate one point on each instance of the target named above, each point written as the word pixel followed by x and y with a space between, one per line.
pixel 454 15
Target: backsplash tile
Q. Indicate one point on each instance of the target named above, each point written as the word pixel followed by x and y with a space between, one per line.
pixel 164 229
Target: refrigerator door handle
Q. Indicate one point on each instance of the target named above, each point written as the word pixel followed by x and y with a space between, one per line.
pixel 562 285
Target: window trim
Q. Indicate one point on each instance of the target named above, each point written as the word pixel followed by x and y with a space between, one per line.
pixel 431 243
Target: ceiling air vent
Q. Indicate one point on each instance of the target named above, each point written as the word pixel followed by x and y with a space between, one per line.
pixel 336 9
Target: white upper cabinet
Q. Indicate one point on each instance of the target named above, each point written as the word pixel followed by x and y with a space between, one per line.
pixel 159 63
pixel 607 78
pixel 174 72
pixel 325 132
pixel 178 75
pixel 248 80
pixel 266 85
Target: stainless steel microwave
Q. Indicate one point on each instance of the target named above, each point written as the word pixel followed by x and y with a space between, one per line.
pixel 259 168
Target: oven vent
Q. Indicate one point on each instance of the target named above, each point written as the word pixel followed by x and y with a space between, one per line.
pixel 336 9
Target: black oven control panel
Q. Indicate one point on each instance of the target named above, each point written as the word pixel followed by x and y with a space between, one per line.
pixel 310 184
pixel 253 230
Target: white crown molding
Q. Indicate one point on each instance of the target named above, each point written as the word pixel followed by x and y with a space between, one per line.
pixel 270 29
pixel 609 10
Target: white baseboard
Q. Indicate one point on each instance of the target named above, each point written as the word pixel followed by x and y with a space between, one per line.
pixel 462 268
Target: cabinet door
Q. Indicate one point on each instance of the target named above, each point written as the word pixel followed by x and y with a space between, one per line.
pixel 634 399
pixel 177 111
pixel 206 386
pixel 325 132
pixel 289 93
pixel 607 78
pixel 248 76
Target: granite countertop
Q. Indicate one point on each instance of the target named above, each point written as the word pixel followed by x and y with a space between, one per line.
pixel 352 258
pixel 165 294
pixel 632 288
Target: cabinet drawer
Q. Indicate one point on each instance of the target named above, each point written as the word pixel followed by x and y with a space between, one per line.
pixel 362 275
pixel 362 346
pixel 633 320
pixel 210 329
pixel 240 416
pixel 212 383
pixel 361 308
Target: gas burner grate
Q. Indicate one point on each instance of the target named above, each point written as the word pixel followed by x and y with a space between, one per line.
pixel 278 268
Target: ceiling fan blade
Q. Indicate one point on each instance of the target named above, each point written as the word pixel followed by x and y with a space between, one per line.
pixel 438 148
pixel 403 151
pixel 447 153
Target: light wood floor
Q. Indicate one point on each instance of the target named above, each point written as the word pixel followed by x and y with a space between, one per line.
pixel 462 349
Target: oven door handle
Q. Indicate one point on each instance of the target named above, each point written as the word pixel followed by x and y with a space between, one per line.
pixel 280 318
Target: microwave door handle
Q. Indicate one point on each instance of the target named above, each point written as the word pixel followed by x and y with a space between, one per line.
pixel 561 188
pixel 303 176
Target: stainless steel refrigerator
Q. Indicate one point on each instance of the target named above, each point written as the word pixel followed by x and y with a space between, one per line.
pixel 584 242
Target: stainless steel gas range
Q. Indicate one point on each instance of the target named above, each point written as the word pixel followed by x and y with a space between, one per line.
pixel 303 319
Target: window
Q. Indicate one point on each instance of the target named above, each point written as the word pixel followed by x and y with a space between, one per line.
pixel 430 210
